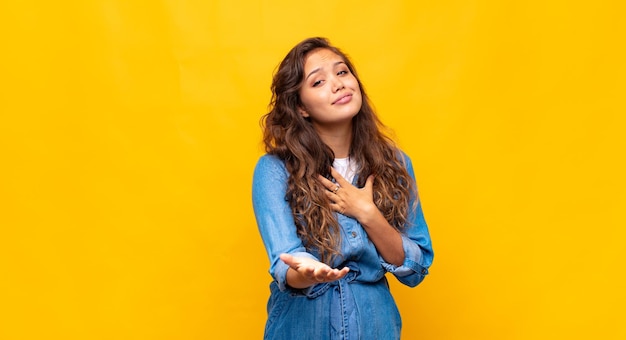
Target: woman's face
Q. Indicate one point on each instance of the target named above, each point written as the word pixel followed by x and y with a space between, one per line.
pixel 330 93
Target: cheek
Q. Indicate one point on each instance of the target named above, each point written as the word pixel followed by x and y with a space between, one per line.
pixel 356 84
pixel 311 102
pixel 313 98
pixel 305 98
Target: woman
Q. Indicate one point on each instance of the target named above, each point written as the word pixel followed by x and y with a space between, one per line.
pixel 336 205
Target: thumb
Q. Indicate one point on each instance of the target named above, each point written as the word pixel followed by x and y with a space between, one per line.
pixel 288 259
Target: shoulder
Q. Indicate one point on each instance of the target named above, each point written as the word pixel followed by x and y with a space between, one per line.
pixel 270 160
pixel 270 164
pixel 405 159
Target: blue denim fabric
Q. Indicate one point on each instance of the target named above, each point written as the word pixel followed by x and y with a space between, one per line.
pixel 359 306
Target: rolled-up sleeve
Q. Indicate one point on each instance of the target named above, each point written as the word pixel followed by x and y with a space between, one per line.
pixel 416 243
pixel 274 218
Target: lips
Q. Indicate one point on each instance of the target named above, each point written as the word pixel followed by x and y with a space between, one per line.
pixel 343 99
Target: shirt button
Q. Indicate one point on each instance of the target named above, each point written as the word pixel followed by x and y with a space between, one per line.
pixel 354 234
pixel 424 271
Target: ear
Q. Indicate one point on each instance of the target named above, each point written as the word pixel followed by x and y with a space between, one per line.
pixel 303 112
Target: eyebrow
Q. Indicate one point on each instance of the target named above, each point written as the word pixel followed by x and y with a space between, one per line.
pixel 319 68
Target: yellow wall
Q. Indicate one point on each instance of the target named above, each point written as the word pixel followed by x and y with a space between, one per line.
pixel 129 131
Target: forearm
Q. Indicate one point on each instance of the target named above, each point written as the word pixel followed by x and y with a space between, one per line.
pixel 386 238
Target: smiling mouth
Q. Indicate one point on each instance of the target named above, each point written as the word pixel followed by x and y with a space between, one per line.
pixel 343 99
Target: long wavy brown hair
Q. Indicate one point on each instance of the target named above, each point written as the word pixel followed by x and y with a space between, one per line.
pixel 292 138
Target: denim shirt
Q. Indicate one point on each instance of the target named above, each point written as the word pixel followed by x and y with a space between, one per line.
pixel 278 231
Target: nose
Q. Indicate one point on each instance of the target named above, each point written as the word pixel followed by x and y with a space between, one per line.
pixel 338 85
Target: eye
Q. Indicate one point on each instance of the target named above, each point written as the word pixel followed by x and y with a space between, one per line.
pixel 342 72
pixel 315 84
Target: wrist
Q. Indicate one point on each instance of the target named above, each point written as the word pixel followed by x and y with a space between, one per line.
pixel 368 215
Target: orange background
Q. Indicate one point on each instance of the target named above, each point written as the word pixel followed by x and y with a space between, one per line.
pixel 129 131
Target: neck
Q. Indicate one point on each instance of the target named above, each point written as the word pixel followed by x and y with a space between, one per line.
pixel 338 138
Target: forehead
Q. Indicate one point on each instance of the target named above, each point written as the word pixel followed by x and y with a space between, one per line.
pixel 319 58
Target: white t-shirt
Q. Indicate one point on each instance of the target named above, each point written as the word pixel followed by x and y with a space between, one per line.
pixel 345 167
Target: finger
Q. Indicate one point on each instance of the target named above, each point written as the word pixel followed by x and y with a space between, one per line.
pixel 317 277
pixel 308 271
pixel 326 182
pixel 343 272
pixel 334 198
pixel 330 186
pixel 331 193
pixel 322 273
pixel 337 207
pixel 330 276
pixel 333 275
pixel 337 176
pixel 338 274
